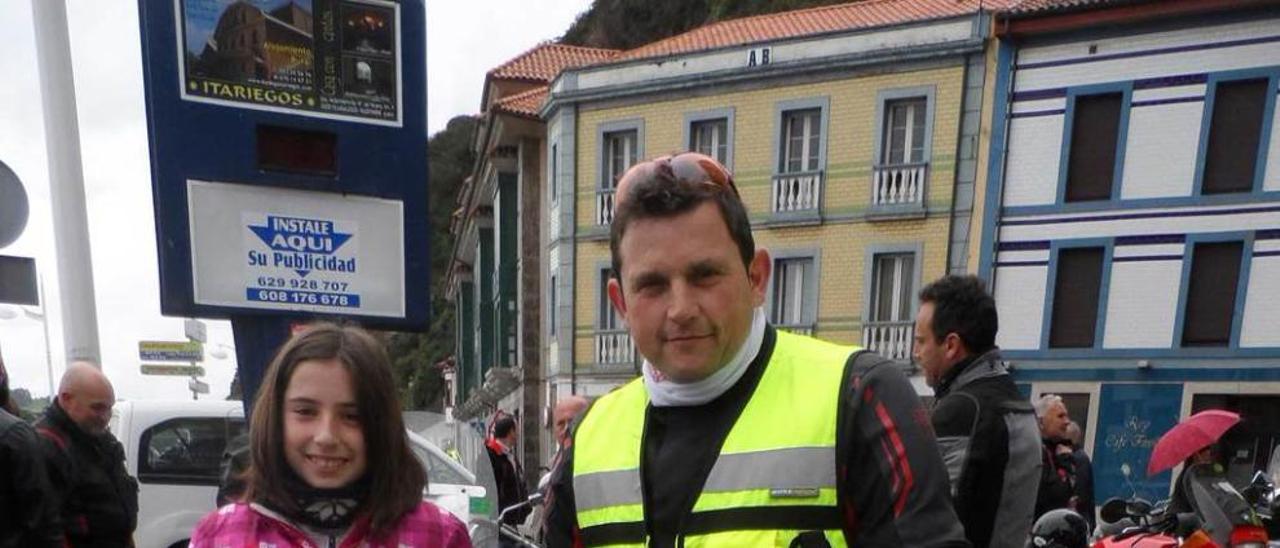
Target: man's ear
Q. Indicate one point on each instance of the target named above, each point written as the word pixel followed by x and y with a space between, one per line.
pixel 953 347
pixel 758 272
pixel 615 296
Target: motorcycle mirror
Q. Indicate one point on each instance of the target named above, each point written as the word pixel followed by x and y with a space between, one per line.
pixel 1138 507
pixel 1113 510
pixel 1259 479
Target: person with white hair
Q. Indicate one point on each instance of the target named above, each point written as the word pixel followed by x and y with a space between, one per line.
pixel 1057 477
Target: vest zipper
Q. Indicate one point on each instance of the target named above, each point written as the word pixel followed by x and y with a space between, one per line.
pixel 644 494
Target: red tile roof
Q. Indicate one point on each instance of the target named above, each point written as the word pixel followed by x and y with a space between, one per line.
pixel 805 22
pixel 1029 7
pixel 543 62
pixel 526 103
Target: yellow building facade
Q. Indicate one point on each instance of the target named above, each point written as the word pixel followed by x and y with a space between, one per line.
pixel 851 150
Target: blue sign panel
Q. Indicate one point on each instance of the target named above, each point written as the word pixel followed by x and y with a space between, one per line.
pixel 1131 418
pixel 288 157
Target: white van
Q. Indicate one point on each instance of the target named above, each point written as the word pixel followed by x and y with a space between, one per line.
pixel 175 450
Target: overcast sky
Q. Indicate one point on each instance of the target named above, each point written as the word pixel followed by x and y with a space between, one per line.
pixel 465 38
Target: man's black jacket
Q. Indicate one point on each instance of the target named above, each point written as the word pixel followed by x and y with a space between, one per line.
pixel 991 446
pixel 510 483
pixel 26 511
pixel 1057 479
pixel 96 497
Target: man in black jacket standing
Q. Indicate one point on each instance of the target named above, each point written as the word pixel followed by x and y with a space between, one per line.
pixel 986 431
pixel 25 511
pixel 506 469
pixel 96 498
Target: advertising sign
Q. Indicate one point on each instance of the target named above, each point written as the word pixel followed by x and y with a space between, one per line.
pixel 337 59
pixel 282 249
pixel 173 370
pixel 165 351
pixel 1131 418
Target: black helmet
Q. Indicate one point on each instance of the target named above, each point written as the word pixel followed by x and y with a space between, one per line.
pixel 1060 528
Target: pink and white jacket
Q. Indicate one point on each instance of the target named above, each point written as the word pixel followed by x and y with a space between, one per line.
pixel 252 526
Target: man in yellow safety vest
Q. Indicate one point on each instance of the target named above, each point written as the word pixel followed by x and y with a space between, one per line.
pixel 737 434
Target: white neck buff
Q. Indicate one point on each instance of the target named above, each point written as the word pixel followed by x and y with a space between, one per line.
pixel 664 392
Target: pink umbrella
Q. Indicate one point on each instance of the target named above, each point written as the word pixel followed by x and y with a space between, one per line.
pixel 1185 438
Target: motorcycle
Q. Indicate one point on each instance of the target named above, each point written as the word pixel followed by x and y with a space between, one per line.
pixel 1221 517
pixel 1264 497
pixel 1227 517
pixel 1136 523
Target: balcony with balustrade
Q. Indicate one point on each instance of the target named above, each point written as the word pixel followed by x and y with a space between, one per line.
pixel 796 197
pixel 892 340
pixel 604 206
pixel 898 191
pixel 614 349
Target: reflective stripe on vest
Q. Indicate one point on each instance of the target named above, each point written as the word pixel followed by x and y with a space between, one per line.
pixel 774 478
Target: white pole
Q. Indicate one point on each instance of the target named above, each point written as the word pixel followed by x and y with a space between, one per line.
pixel 48 352
pixel 66 181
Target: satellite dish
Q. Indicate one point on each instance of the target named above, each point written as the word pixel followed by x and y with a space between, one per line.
pixel 13 206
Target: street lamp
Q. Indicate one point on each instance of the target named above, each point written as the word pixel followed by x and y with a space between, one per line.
pixel 221 351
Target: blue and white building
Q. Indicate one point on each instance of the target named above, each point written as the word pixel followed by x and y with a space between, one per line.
pixel 1131 220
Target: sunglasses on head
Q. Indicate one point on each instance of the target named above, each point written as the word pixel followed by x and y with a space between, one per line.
pixel 689 167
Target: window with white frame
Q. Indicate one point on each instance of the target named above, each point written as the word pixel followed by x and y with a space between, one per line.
pixel 904 131
pixel 620 151
pixel 893 287
pixel 711 137
pixel 801 140
pixel 792 291
pixel 607 316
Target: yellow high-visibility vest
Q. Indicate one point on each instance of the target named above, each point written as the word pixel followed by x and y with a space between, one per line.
pixel 775 476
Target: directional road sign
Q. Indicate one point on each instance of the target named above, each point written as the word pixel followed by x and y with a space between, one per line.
pixel 169 351
pixel 172 370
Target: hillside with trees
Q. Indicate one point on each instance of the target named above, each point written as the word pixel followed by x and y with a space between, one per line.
pixel 414 355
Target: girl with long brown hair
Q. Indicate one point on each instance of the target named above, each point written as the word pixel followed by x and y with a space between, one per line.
pixel 330 461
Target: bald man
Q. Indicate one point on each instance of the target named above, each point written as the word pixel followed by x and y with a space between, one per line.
pixel 97 501
pixel 566 410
